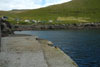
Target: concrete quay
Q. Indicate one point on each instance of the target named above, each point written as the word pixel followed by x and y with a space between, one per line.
pixel 29 51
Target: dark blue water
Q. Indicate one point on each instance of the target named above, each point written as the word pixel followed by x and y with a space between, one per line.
pixel 83 46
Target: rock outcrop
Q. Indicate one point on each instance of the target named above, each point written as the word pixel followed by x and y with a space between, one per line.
pixel 5 27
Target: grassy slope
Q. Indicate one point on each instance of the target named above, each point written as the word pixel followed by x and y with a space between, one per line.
pixel 76 10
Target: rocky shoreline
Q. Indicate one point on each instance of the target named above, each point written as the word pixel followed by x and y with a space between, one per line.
pixel 56 27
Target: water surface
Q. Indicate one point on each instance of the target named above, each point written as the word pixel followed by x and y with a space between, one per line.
pixel 83 46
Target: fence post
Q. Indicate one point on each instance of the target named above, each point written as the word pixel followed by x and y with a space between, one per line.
pixel 0 37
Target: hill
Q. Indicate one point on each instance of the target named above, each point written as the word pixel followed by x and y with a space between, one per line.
pixel 73 11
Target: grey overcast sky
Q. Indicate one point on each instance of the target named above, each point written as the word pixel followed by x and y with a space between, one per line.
pixel 27 4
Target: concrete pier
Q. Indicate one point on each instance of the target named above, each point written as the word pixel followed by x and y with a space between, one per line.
pixel 27 51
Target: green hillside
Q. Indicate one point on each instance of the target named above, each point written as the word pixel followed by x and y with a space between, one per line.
pixel 73 11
